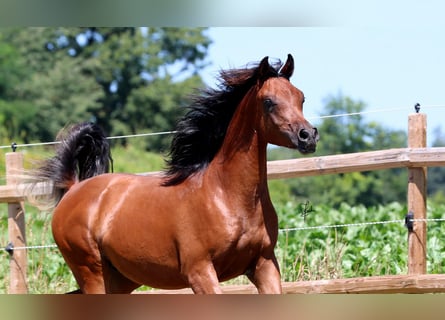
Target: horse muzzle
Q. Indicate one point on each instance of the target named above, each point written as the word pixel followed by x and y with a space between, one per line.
pixel 306 140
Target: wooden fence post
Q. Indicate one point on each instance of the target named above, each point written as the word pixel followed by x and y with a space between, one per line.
pixel 16 227
pixel 417 178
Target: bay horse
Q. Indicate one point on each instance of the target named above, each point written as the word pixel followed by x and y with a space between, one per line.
pixel 207 217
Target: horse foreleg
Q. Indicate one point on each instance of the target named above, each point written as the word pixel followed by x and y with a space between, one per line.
pixel 203 279
pixel 266 276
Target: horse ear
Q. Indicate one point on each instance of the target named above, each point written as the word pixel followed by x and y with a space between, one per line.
pixel 288 69
pixel 263 69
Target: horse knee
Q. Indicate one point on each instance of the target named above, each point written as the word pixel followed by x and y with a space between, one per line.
pixel 205 287
pixel 266 276
pixel 203 279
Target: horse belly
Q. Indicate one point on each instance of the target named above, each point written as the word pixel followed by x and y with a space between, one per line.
pixel 150 270
pixel 150 261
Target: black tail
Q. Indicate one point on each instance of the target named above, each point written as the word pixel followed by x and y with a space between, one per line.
pixel 83 152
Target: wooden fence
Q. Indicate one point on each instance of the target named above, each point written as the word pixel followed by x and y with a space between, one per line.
pixel 417 157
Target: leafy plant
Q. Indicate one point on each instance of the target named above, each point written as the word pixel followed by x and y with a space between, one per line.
pixel 353 251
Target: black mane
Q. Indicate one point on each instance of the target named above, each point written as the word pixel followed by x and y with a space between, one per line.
pixel 200 133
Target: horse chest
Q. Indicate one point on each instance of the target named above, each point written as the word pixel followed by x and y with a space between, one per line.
pixel 238 251
pixel 242 236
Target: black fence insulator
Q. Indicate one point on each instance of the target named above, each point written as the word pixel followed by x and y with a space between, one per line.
pixel 13 146
pixel 417 107
pixel 409 221
pixel 10 248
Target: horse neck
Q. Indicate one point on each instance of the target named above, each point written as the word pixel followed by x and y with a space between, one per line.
pixel 241 160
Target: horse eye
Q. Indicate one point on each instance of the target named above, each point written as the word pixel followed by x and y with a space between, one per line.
pixel 268 104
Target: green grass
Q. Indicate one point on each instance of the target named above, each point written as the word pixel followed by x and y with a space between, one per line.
pixel 132 159
pixel 353 251
pixel 47 271
pixel 343 252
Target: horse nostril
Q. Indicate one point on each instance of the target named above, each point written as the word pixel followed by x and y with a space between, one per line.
pixel 303 134
pixel 316 136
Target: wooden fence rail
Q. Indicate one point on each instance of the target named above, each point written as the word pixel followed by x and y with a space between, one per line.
pixel 424 283
pixel 416 158
pixel 355 162
pixel 305 167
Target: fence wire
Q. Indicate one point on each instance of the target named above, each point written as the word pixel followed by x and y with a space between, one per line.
pixel 43 246
pixel 37 144
pixel 9 248
pixel 361 224
pixel 172 132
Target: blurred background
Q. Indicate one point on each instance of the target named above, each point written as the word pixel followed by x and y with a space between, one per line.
pixel 360 85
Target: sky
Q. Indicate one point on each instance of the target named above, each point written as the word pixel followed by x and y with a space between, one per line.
pixel 389 68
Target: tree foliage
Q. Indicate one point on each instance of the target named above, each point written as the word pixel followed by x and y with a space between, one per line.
pixel 136 80
pixel 348 134
pixel 436 175
pixel 128 80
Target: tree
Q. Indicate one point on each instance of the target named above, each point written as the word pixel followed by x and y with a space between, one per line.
pixel 125 79
pixel 14 111
pixel 343 134
pixel 436 175
pixel 348 134
pixel 141 91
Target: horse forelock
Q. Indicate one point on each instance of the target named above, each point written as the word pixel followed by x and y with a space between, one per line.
pixel 201 131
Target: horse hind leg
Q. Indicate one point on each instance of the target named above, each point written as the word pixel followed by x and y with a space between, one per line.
pixel 85 264
pixel 89 280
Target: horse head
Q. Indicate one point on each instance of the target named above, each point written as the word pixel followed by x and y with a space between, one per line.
pixel 282 107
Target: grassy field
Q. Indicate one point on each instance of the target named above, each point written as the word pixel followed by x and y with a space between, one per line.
pixel 308 254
